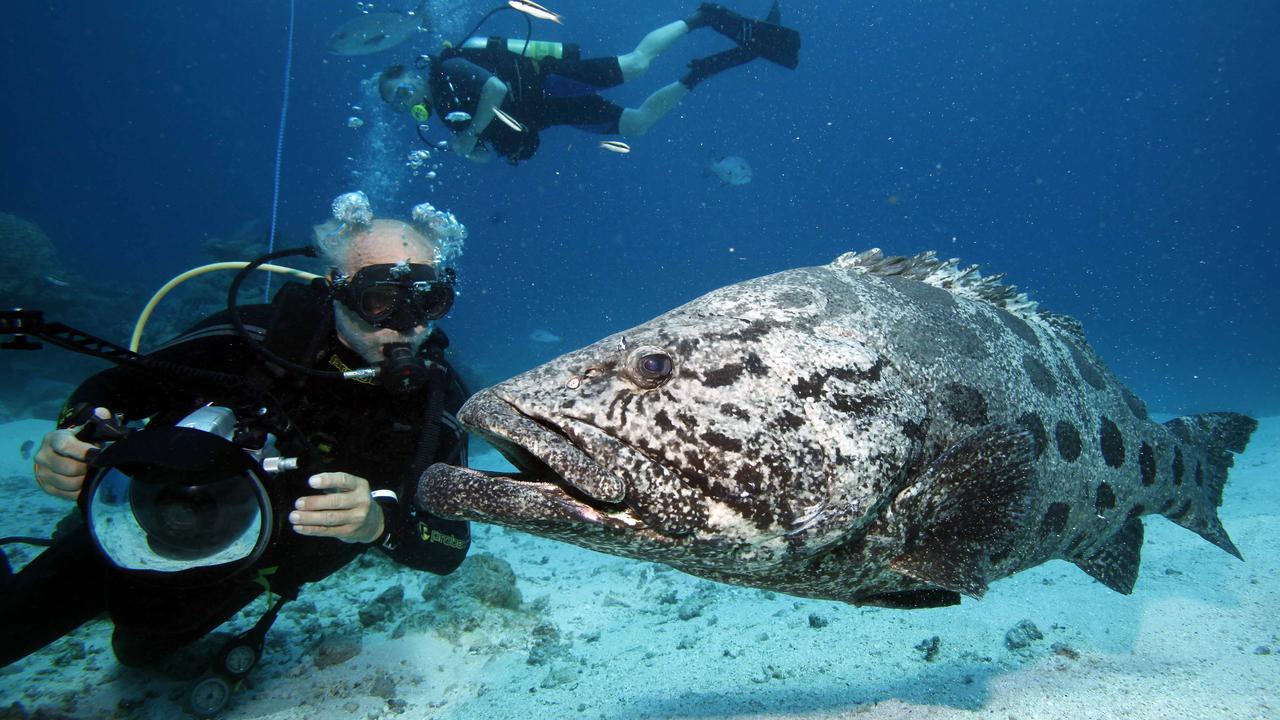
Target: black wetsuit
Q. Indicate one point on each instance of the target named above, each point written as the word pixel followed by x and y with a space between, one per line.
pixel 342 425
pixel 540 93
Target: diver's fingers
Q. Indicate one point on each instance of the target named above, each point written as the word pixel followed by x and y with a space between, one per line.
pixel 333 501
pixel 325 518
pixel 57 484
pixel 338 482
pixel 65 444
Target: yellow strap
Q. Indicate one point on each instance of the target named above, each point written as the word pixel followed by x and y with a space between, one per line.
pixel 136 340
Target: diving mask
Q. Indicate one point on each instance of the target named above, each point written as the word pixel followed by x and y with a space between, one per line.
pixel 402 88
pixel 398 296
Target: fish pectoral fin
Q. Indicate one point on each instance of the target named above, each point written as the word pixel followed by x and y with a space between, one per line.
pixel 963 508
pixel 1115 564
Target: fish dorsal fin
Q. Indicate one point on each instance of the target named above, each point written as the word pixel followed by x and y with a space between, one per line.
pixel 1115 564
pixel 1064 323
pixel 963 508
pixel 946 274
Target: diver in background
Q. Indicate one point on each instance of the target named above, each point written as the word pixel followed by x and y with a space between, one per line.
pixel 363 443
pixel 498 93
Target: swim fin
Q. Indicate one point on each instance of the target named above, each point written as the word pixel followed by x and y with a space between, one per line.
pixel 765 38
pixel 702 68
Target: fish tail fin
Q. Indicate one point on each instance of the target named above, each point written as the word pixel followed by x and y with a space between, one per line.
pixel 1219 435
pixel 775 13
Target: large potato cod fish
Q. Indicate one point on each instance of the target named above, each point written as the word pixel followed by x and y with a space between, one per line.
pixel 893 431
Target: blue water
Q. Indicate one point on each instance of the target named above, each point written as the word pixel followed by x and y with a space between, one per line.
pixel 1116 160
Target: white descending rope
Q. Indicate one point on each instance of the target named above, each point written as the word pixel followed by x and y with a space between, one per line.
pixel 284 115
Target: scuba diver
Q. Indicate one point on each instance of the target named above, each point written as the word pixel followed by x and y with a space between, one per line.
pixel 176 531
pixel 497 94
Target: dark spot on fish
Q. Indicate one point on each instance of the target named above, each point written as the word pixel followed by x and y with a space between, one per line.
pixel 663 421
pixel 686 345
pixel 1199 474
pixel 747 479
pixel 1181 512
pixel 965 404
pixel 755 366
pixel 1178 467
pixel 1086 367
pixel 694 462
pixel 734 411
pixel 1032 423
pixel 1112 443
pixel 859 405
pixel 853 374
pixel 621 402
pixel 1135 511
pixel 809 388
pixel 914 430
pixel 1040 376
pixel 1068 439
pixel 1076 543
pixel 788 421
pixel 999 556
pixel 1055 518
pixel 1164 509
pixel 688 421
pixel 1136 406
pixel 1147 464
pixel 1019 327
pixel 721 377
pixel 1105 499
pixel 750 334
pixel 723 442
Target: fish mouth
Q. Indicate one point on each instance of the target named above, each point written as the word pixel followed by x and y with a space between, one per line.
pixel 557 482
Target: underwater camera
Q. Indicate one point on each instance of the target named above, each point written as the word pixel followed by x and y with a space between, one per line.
pixel 194 496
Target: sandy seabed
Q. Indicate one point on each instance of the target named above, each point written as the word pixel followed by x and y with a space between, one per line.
pixel 603 637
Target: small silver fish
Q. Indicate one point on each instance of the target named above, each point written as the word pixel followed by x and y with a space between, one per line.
pixel 529 7
pixel 458 116
pixel 616 146
pixel 508 120
pixel 55 281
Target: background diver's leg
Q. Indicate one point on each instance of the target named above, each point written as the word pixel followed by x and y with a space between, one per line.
pixel 636 62
pixel 637 121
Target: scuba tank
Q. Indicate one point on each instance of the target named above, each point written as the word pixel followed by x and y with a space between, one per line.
pixel 532 49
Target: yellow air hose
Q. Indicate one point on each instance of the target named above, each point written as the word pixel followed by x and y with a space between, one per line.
pixel 239 265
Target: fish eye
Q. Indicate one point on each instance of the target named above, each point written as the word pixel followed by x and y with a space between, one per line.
pixel 649 367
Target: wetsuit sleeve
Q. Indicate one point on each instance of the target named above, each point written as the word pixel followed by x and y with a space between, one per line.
pixel 139 392
pixel 455 86
pixel 419 540
pixel 414 537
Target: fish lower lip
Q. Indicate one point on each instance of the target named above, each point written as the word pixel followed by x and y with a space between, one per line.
pixel 542 451
pixel 514 499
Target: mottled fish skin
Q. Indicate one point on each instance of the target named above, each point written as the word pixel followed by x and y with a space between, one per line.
pixel 880 430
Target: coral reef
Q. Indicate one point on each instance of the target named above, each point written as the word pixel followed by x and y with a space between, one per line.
pixel 32 273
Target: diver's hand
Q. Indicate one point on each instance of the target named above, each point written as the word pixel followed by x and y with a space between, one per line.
pixel 344 511
pixel 60 463
pixel 463 143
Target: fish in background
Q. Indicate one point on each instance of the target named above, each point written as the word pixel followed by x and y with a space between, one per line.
pixel 374 32
pixel 891 431
pixel 26 449
pixel 544 336
pixel 731 169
